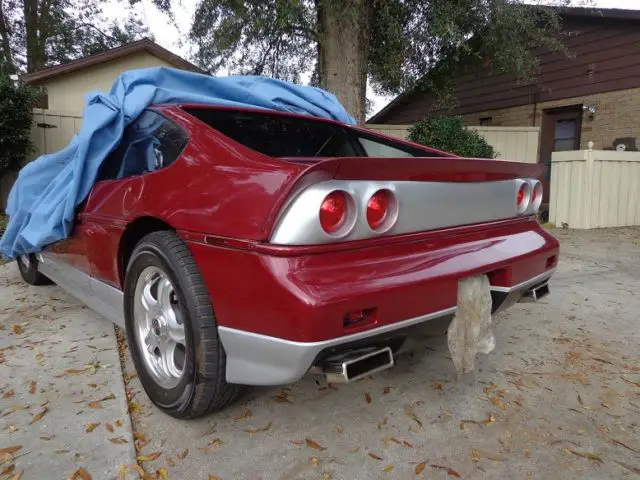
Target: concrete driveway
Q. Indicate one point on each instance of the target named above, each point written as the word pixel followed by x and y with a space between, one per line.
pixel 558 398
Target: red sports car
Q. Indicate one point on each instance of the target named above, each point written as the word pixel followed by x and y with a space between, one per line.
pixel 249 247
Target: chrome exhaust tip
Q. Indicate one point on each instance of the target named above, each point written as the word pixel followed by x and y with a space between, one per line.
pixel 536 293
pixel 353 365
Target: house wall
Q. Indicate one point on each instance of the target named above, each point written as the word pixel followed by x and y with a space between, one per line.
pixel 603 57
pixel 66 93
pixel 616 116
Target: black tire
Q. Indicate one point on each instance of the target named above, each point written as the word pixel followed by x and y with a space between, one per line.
pixel 29 270
pixel 202 387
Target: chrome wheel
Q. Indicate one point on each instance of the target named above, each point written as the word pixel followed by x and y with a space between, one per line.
pixel 25 260
pixel 159 327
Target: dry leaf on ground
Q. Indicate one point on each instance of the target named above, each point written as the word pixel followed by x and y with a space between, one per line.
pixel 313 444
pixel 408 411
pixel 38 416
pixel 150 457
pixel 109 428
pixel 450 471
pixel 80 474
pixel 214 477
pixel 487 421
pixel 10 450
pixel 183 454
pixel 8 394
pixel 259 429
pixel 420 468
pixel 497 401
pixel 32 387
pixel 592 457
pixel 388 468
pixel 17 329
pixel 161 473
pixel 367 397
pixel 15 408
pixel 374 455
pixel 245 414
pixel 90 427
pixel 315 461
pixel 118 440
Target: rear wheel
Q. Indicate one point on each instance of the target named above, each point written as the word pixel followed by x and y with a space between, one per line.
pixel 172 331
pixel 28 266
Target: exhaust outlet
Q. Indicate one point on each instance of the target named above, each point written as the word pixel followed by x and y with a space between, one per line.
pixel 352 366
pixel 536 293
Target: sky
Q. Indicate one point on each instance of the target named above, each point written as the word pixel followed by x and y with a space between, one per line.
pixel 172 37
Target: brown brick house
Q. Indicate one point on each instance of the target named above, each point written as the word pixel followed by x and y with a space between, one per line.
pixel 594 95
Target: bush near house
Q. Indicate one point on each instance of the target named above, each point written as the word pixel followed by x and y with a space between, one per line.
pixel 16 114
pixel 449 134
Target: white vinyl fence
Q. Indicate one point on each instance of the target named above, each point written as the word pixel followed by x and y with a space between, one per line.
pixel 595 188
pixel 516 144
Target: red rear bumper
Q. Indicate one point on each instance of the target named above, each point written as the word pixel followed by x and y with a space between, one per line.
pixel 305 298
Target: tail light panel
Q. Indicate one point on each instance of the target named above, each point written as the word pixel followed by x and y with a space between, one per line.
pixel 347 210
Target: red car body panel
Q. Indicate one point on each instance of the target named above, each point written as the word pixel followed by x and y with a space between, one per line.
pixel 224 199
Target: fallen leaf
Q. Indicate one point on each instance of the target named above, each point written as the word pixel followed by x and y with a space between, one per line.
pixel 367 397
pixel 475 456
pixel 90 427
pixel 450 471
pixel 60 452
pixel 487 421
pixel 123 469
pixel 109 427
pixel 297 442
pixel 8 394
pixel 72 371
pixel 15 408
pixel 408 411
pixel 12 428
pixel 46 437
pixel 81 474
pixel 282 397
pixel 39 416
pixel 214 443
pixel 313 444
pixel 618 442
pixel 315 461
pixel 149 457
pixel 592 457
pixel 96 403
pixel 214 477
pixel 489 455
pixel 420 468
pixel 340 429
pixel 32 387
pixel 169 462
pixel 392 439
pixel 586 407
pixel 406 444
pixel 561 340
pixel 17 329
pixel 8 470
pixel 437 386
pixel 388 468
pixel 162 474
pixel 10 450
pixel 119 423
pixel 134 407
pixel 637 384
pixel 118 440
pixel 631 468
pixel 373 455
pixel 386 390
pixel 183 454
pixel 497 401
pixel 259 429
pixel 245 414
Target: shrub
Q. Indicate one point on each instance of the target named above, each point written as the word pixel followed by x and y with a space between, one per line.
pixel 16 114
pixel 449 134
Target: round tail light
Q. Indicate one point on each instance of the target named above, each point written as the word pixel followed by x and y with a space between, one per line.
pixel 333 211
pixel 536 196
pixel 382 210
pixel 523 197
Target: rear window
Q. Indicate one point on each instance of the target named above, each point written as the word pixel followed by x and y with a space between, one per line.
pixel 283 136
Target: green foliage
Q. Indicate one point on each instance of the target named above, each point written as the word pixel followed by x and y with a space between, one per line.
pixel 35 34
pixel 411 42
pixel 16 107
pixel 449 134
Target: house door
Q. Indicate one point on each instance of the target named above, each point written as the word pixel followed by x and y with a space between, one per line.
pixel 560 131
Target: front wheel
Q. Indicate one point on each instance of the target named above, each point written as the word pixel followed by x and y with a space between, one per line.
pixel 172 331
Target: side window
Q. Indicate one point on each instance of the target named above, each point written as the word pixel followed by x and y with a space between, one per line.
pixel 376 149
pixel 149 143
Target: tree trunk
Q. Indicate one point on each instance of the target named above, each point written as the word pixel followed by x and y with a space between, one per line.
pixel 343 52
pixel 35 45
pixel 4 38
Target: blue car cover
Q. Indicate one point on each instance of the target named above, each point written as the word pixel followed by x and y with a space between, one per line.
pixel 42 202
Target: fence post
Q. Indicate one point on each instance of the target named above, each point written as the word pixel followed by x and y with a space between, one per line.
pixel 588 188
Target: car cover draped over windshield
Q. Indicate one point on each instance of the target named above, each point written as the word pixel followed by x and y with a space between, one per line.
pixel 43 200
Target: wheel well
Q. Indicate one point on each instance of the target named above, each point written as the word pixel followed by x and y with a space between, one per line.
pixel 132 235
